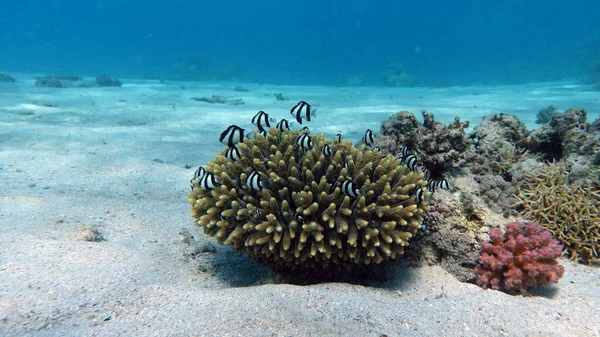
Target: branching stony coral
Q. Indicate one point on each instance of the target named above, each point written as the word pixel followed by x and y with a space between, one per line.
pixel 301 220
pixel 569 210
pixel 525 257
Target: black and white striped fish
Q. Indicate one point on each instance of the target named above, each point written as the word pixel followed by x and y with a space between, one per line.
pixel 254 181
pixel 338 138
pixel 405 151
pixel 443 184
pixel 431 185
pixel 426 172
pixel 349 189
pixel 377 148
pixel 326 150
pixel 199 172
pixel 233 153
pixel 368 138
pixel 303 110
pixel 411 162
pixel 305 129
pixel 419 194
pixel 304 141
pixel 262 121
pixel 232 135
pixel 208 182
pixel 283 125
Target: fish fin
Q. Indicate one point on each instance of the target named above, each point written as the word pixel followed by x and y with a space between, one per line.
pixel 313 112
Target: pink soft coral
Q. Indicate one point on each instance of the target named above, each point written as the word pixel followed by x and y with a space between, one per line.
pixel 524 257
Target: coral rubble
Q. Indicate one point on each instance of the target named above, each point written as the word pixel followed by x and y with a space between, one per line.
pixel 523 258
pixel 301 220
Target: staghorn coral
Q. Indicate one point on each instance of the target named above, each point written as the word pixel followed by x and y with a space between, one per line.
pixel 525 257
pixel 301 221
pixel 438 147
pixel 568 210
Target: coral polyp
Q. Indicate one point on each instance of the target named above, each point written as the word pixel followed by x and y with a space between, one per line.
pixel 306 209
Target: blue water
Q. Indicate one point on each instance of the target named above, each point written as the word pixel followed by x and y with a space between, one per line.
pixel 304 42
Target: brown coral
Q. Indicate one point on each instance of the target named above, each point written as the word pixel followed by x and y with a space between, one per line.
pixel 569 210
pixel 301 220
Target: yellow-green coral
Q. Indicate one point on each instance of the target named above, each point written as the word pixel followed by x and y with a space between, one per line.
pixel 301 220
pixel 569 210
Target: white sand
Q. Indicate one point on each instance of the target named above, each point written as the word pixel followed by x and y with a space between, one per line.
pixel 114 158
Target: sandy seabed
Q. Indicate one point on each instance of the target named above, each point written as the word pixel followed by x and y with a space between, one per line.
pixel 116 163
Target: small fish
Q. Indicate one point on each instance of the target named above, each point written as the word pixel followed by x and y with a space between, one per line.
pixel 232 135
pixel 233 153
pixel 305 129
pixel 377 148
pixel 426 172
pixel 350 189
pixel 304 141
pixel 254 181
pixel 208 182
pixel 338 138
pixel 368 138
pixel 411 162
pixel 302 110
pixel 283 125
pixel 199 172
pixel 405 151
pixel 431 185
pixel 261 120
pixel 419 195
pixel 443 184
pixel 326 150
pixel 192 183
pixel 299 218
pixel 263 133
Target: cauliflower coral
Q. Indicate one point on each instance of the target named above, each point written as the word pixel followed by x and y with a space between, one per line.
pixel 525 257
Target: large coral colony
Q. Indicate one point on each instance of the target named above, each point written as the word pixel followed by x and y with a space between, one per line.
pixel 305 203
pixel 302 202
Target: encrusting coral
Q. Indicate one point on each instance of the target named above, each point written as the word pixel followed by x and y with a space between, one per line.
pixel 569 210
pixel 523 258
pixel 301 220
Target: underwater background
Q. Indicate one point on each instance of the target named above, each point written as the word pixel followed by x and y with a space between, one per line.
pixel 309 42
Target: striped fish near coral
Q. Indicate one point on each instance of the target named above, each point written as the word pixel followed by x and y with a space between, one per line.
pixel 304 142
pixel 261 120
pixel 254 181
pixel 232 135
pixel 349 189
pixel 283 125
pixel 303 110
pixel 368 138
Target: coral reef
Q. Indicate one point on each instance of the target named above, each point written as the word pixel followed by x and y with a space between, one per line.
pixel 567 209
pixel 49 82
pixel 565 135
pixel 545 115
pixel 106 81
pixel 438 147
pixel 6 78
pixel 301 220
pixel 523 258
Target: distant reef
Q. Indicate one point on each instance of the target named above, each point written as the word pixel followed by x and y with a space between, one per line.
pixel 70 81
pixel 6 78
